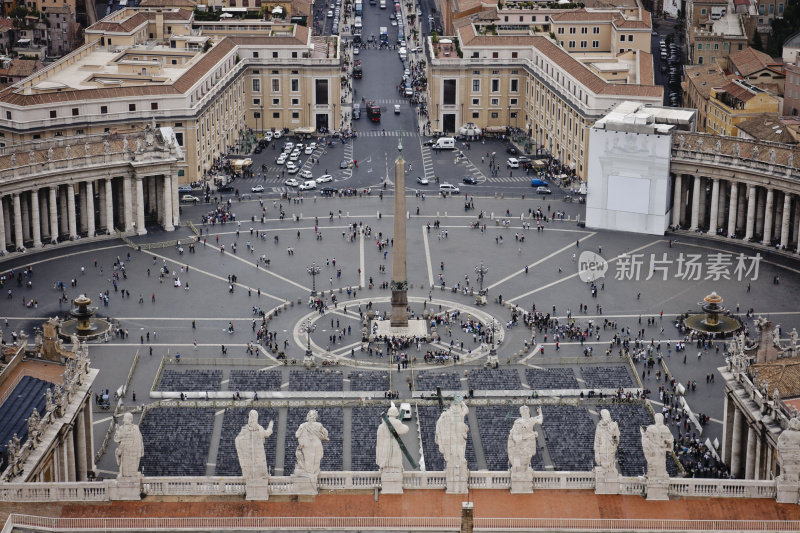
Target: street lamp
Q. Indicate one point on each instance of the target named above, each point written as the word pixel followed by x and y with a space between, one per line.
pixel 481 271
pixel 313 270
pixel 307 328
pixel 437 117
pixel 493 350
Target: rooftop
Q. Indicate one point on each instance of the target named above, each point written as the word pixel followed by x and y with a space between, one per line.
pixel 636 118
pixel 781 374
pixel 704 77
pixel 750 61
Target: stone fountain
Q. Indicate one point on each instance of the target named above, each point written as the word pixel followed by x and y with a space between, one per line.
pixel 84 324
pixel 714 318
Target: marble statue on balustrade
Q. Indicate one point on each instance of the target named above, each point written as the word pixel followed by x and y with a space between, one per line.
pixel 310 436
pixel 130 447
pixel 451 438
pixel 522 440
pixel 250 448
pixel 33 428
pixel 657 440
pixel 788 452
pixel 388 455
pixel 606 442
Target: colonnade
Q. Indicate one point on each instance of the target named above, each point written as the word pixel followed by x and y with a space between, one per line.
pixel 766 214
pixel 71 455
pixel 748 450
pixel 80 209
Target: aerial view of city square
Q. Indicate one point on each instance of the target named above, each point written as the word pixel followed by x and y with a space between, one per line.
pixel 400 265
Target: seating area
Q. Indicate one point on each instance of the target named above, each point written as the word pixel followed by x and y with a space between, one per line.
pixel 363 437
pixel 255 380
pixel 494 426
pixel 494 379
pixel 551 378
pixel 569 434
pixel 193 380
pixel 176 440
pixel 369 381
pixel 332 418
pixel 427 381
pixel 232 422
pixel 315 380
pixel 15 411
pixel 630 456
pixel 434 461
pixel 607 376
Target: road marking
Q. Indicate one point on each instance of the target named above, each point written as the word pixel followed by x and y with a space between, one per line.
pixel 535 263
pixel 427 256
pixel 361 261
pixel 282 278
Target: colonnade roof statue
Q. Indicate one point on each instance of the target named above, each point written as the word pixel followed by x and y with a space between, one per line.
pixel 451 434
pixel 388 455
pixel 522 440
pixel 657 440
pixel 789 452
pixel 310 436
pixel 250 448
pixel 606 442
pixel 130 447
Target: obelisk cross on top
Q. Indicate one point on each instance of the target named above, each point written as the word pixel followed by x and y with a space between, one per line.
pixel 399 284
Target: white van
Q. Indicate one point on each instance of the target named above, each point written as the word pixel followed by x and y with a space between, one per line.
pixel 405 411
pixel 358 24
pixel 448 188
pixel 444 143
pixel 383 4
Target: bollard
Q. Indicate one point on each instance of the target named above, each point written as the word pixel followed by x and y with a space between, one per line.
pixel 445 213
pixel 437 213
pixel 491 217
pixel 408 215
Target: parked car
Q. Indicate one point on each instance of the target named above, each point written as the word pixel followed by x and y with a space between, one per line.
pixel 291 182
pixel 281 159
pixel 306 175
pixel 449 188
pixel 308 185
pixel 512 162
pixel 536 182
pixel 511 150
pixel 325 178
pixel 292 168
pixel 189 199
pixel 185 188
pixel 344 163
pixel 225 188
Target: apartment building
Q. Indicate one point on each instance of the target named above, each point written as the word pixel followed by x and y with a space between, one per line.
pixel 707 47
pixel 736 102
pixel 791 90
pixel 594 31
pixel 759 69
pixel 206 82
pixel 529 82
pixel 697 85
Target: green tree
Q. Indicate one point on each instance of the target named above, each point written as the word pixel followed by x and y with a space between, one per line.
pixel 756 42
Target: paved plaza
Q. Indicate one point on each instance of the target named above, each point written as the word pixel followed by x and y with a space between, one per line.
pixel 194 319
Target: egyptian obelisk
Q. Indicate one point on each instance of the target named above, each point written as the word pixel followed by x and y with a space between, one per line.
pixel 399 279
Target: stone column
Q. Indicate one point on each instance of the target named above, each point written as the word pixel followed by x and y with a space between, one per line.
pixel 758 459
pixel 2 226
pixel 53 213
pixel 768 217
pixel 83 223
pixel 63 217
pixel 36 219
pixel 64 459
pixel 750 460
pixel 173 194
pixel 80 449
pixel 89 206
pixel 712 219
pixel 722 214
pixel 167 202
pixel 751 212
pixel 676 202
pixel 19 243
pixel 741 210
pixel 26 224
pixel 73 223
pixel 736 443
pixel 109 206
pixel 70 442
pixel 761 203
pixel 89 421
pixel 732 208
pixel 140 229
pixel 787 211
pixel 695 203
pixel 7 234
pixel 127 204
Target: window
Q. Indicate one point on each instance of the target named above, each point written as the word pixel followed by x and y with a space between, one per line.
pixel 760 10
pixel 476 55
pixel 53 114
pixel 276 85
pixel 494 115
pixel 477 114
pixel 514 55
pixel 476 101
pixel 700 46
pixel 321 97
pixel 514 85
pixel 572 31
pixel 595 44
pixel 276 101
pixel 256 101
pixel 449 92
pixel 780 9
pixel 295 101
pixel 276 114
pixel 8 115
pixel 79 132
pixel 295 114
pixel 75 112
pixel 622 38
pixel 476 86
pixel 771 9
pixel 513 101
pixel 571 44
pixel 295 85
pixel 513 114
pixel 630 38
pixel 257 114
pixel 561 31
pixel 584 44
pixel 494 102
pixel 274 56
pixel 495 86
pixel 495 55
pixel 716 46
pixel 596 30
pixel 179 138
pixel 584 30
pixel 294 55
pixel 103 110
pixel 255 55
pixel 153 106
pixel 257 85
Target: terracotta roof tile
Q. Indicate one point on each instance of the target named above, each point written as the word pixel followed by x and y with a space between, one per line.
pixel 646 68
pixel 750 61
pixel 21 68
pixel 783 374
pixel 581 15
pixel 767 128
pixel 206 63
pixel 737 91
pixel 191 4
pixel 704 77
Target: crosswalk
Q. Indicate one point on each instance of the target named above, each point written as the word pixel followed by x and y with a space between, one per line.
pixel 427 162
pixel 510 179
pixel 389 101
pixel 388 133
